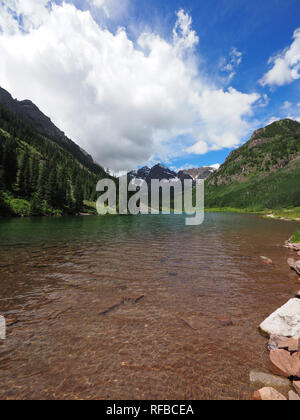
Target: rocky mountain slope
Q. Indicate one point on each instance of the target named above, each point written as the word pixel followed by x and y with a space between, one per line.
pixel 29 113
pixel 40 175
pixel 263 173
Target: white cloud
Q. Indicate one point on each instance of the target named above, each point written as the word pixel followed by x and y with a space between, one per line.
pixel 31 13
pixel 121 101
pixel 286 105
pixel 298 104
pixel 111 8
pixel 272 120
pixel 264 101
pixel 221 122
pixel 230 66
pixel 215 166
pixel 102 4
pixel 192 166
pixel 184 37
pixel 285 66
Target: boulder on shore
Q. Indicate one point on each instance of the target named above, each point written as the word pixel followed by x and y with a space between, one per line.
pixel 261 379
pixel 285 321
pixel 294 265
pixel 292 245
pixel 296 385
pixel 293 396
pixel 277 342
pixel 285 364
pixel 268 394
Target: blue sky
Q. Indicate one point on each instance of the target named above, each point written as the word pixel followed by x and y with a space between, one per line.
pixel 259 29
pixel 183 83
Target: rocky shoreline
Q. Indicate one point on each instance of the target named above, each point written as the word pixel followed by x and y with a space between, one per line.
pixel 283 330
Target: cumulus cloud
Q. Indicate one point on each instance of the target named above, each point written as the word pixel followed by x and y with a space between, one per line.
pixel 124 102
pixel 285 65
pixel 22 14
pixel 221 123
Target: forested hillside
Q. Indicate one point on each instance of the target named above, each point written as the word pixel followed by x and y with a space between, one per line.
pixel 264 173
pixel 39 177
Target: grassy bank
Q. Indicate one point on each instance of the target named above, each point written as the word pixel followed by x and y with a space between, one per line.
pixel 292 214
pixel 233 210
pixel 289 214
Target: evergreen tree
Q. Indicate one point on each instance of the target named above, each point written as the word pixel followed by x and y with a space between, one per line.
pixel 51 192
pixel 43 178
pixel 78 196
pixel 36 205
pixel 35 172
pixel 62 182
pixel 25 177
pixel 69 201
pixel 9 164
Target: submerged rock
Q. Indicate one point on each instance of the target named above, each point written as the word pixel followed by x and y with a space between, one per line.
pixel 268 394
pixel 226 322
pixel 285 364
pixel 193 322
pixel 260 379
pixel 266 260
pixel 285 321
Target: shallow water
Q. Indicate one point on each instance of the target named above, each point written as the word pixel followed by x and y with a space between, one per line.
pixel 132 307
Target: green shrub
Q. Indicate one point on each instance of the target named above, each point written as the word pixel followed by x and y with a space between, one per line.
pixel 296 237
pixel 19 207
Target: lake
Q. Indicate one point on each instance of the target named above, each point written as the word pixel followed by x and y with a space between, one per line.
pixel 135 307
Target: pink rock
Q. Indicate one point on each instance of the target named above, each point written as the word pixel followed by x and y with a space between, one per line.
pixel 293 396
pixel 278 342
pixel 268 394
pixel 285 364
pixel 296 385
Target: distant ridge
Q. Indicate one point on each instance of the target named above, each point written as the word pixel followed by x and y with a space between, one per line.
pixel 160 172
